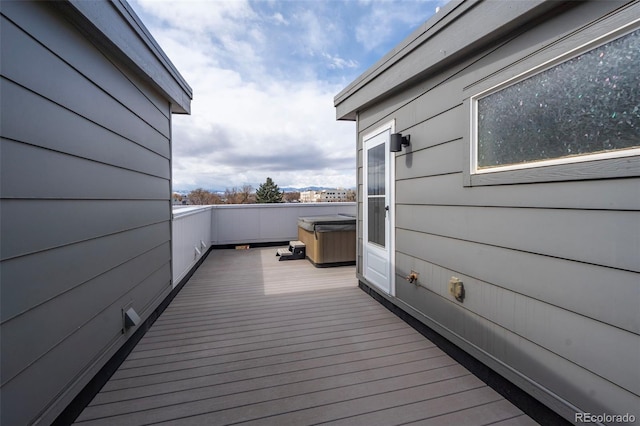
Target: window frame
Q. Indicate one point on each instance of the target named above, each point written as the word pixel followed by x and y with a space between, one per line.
pixel 610 164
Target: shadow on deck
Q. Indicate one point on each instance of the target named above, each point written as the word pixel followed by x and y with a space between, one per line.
pixel 251 339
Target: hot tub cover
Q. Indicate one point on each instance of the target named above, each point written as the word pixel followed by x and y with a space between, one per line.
pixel 332 223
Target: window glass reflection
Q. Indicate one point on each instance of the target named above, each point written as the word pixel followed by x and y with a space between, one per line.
pixel 376 170
pixel 376 220
pixel 588 104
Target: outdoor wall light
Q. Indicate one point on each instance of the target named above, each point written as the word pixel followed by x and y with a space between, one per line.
pixel 398 141
pixel 130 318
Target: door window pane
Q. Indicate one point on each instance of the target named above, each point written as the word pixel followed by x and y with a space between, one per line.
pixel 375 170
pixel 376 217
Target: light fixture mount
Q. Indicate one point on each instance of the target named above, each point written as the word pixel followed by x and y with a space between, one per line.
pixel 398 141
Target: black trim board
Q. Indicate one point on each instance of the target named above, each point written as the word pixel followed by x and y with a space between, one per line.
pixel 525 402
pixel 331 264
pixel 86 395
pixel 251 245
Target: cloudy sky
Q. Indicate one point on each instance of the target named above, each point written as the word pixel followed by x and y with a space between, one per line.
pixel 264 75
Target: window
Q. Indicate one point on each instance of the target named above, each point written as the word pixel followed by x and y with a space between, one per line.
pixel 584 108
pixel 376 193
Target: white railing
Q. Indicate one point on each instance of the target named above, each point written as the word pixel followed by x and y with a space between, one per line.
pixel 196 228
pixel 191 238
pixel 260 223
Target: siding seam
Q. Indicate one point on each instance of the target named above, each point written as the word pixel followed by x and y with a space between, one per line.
pixel 90 120
pixel 405 154
pixel 84 240
pixel 78 285
pixel 509 290
pixel 514 249
pixel 115 166
pixel 471 206
pixel 81 326
pixel 522 337
pixel 100 88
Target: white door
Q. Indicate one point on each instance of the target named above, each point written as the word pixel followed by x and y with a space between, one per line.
pixel 378 209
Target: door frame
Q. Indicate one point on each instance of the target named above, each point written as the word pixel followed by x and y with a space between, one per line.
pixel 390 191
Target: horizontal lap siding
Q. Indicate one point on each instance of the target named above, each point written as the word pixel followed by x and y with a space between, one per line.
pixel 49 280
pixel 584 195
pixel 85 208
pixel 88 139
pixel 30 226
pixel 550 270
pixel 54 175
pixel 99 81
pixel 525 355
pixel 562 233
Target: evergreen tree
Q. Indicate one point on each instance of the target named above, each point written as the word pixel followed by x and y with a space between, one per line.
pixel 268 192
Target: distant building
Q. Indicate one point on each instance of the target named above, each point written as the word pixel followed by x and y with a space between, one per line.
pixel 309 196
pixel 325 196
pixel 178 199
pixel 333 195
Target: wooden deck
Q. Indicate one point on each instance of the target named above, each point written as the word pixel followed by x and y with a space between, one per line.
pixel 253 340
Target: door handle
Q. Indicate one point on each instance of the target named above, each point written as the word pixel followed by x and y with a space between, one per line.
pixel 386 208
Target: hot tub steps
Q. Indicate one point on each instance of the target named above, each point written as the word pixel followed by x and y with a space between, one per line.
pixel 295 251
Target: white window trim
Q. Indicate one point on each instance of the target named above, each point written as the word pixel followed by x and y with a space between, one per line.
pixel 599 41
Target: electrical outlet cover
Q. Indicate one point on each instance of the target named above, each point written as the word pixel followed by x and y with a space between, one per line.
pixel 456 289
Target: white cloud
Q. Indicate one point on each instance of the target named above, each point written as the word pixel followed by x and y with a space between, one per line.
pixel 201 16
pixel 234 121
pixel 264 76
pixel 385 20
pixel 279 19
pixel 316 33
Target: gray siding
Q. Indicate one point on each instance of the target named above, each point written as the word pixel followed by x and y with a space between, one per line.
pixel 85 199
pixel 551 269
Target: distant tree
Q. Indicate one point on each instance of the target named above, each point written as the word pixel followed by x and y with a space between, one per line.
pixel 237 195
pixel 177 198
pixel 351 195
pixel 268 192
pixel 231 195
pixel 202 196
pixel 245 194
pixel 291 197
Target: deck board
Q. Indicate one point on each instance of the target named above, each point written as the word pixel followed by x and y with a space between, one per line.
pixel 250 339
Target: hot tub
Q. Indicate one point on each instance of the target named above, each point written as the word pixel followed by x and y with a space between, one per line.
pixel 329 240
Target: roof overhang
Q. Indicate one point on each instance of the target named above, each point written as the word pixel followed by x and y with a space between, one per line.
pixel 113 25
pixel 458 29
